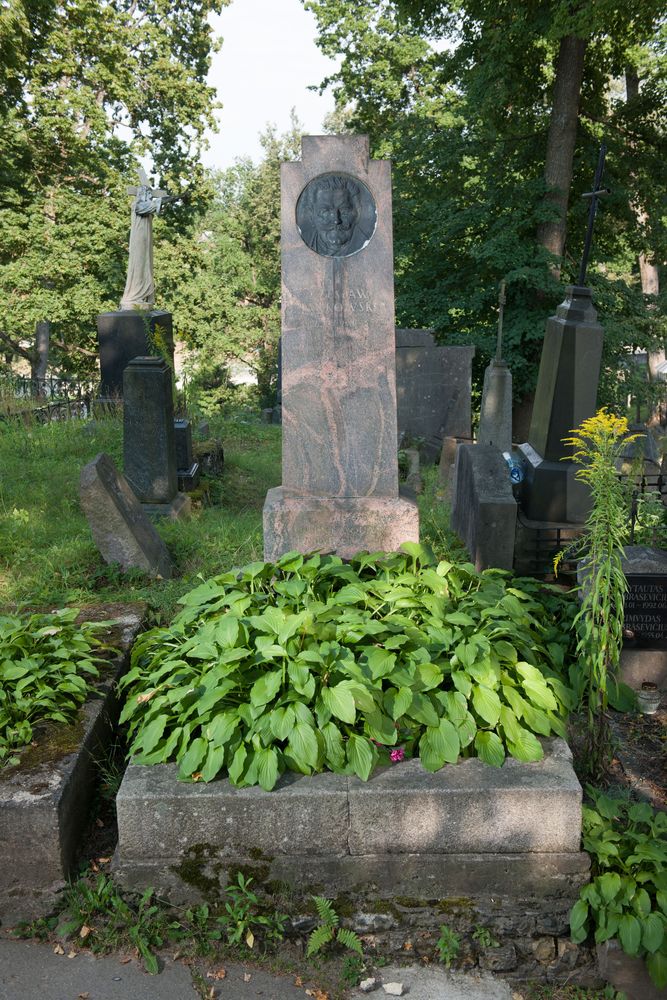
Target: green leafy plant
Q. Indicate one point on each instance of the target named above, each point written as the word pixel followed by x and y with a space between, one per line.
pixel 312 663
pixel 484 937
pixel 104 919
pixel 597 444
pixel 46 662
pixel 448 945
pixel 329 930
pixel 627 897
pixel 651 521
pixel 243 919
pixel 352 969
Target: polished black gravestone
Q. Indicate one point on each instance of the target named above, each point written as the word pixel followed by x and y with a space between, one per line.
pixel 187 469
pixel 565 396
pixel 128 334
pixel 645 604
pixel 149 450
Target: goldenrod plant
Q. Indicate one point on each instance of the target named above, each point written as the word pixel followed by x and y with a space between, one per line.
pixel 597 444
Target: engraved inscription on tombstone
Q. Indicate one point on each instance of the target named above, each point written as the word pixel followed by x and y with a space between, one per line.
pixel 645 605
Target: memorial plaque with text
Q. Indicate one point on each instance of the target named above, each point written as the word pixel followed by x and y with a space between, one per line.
pixel 646 611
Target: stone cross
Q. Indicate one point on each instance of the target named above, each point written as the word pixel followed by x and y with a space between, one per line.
pixel 501 307
pixel 593 197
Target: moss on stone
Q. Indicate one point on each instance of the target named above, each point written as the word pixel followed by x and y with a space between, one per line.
pixel 191 870
pixel 51 742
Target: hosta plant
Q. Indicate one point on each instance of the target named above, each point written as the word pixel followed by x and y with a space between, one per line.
pixel 46 663
pixel 627 898
pixel 312 663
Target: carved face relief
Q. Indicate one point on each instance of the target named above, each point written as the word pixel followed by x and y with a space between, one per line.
pixel 336 215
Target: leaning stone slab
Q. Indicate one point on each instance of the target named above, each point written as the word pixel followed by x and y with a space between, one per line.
pixel 120 528
pixel 46 798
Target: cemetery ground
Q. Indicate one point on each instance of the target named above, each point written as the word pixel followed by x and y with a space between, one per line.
pixel 48 561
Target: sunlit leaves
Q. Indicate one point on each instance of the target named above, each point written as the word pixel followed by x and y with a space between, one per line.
pixel 335 665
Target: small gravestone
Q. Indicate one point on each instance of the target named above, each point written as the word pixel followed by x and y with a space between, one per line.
pixel 484 511
pixel 645 622
pixel 340 465
pixel 120 529
pixel 149 451
pixel 433 390
pixel 187 468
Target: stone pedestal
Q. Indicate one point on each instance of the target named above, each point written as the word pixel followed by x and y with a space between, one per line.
pixel 338 357
pixel 149 451
pixel 127 334
pixel 495 422
pixel 565 396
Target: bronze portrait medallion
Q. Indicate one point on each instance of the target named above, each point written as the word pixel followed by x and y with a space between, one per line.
pixel 336 215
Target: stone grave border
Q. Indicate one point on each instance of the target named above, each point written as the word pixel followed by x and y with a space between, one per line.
pixel 44 808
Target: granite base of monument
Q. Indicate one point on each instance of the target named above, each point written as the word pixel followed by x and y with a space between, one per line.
pixel 404 848
pixel 178 508
pixel 344 525
pixel 127 334
pixel 45 799
pixel 551 491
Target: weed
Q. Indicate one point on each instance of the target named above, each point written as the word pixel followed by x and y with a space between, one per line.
pixel 243 918
pixel 448 945
pixel 484 937
pixel 352 970
pixel 329 930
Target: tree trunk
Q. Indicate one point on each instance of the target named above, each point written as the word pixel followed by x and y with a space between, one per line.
pixel 561 141
pixel 40 361
pixel 648 270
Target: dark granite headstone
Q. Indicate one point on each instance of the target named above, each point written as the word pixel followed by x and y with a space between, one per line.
pixel 646 611
pixel 187 469
pixel 566 395
pixel 149 451
pixel 484 511
pixel 433 390
pixel 129 334
pixel 340 465
pixel 645 624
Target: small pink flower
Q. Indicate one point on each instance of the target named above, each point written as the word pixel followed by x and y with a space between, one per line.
pixel 397 754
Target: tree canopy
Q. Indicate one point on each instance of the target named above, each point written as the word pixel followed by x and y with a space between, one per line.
pixel 87 88
pixel 460 95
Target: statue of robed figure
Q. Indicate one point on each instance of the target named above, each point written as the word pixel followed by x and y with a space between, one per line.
pixel 140 287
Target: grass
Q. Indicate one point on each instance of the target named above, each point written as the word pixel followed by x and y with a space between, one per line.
pixel 47 555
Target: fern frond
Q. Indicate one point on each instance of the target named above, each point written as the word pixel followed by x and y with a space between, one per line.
pixel 326 912
pixel 320 936
pixel 349 939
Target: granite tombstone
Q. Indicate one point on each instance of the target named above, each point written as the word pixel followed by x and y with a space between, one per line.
pixel 339 487
pixel 149 451
pixel 433 390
